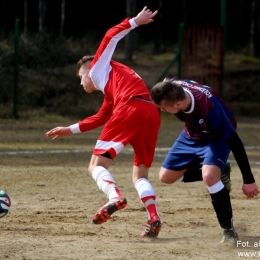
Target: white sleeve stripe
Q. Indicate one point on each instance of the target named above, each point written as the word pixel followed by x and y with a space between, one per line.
pixel 75 128
pixel 99 73
pixel 117 146
pixel 133 23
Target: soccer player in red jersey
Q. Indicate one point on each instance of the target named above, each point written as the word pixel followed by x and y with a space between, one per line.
pixel 129 117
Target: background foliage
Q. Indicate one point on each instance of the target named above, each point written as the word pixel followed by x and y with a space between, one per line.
pixel 54 35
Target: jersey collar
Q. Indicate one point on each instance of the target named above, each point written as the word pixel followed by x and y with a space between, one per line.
pixel 192 102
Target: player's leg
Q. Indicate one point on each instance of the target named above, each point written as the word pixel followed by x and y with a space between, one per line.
pixel 181 163
pixel 124 127
pixel 225 177
pixel 148 198
pixel 216 155
pixel 194 173
pixel 144 143
pixel 98 168
pixel 191 174
pixel 109 144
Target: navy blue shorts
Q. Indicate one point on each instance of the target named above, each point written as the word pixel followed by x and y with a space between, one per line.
pixel 185 151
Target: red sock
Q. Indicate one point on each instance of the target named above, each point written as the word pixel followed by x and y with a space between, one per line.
pixel 151 207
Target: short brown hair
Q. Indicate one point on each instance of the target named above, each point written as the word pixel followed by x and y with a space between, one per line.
pixel 168 91
pixel 83 61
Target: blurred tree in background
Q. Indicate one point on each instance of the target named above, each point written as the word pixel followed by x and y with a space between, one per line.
pixel 54 35
pixel 76 17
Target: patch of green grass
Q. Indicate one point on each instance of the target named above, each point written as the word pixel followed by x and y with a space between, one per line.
pixel 248 60
pixel 235 61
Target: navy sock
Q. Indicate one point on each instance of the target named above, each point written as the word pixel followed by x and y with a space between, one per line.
pixel 222 205
pixel 193 173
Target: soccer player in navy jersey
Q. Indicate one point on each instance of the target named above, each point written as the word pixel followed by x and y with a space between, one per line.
pixel 209 135
pixel 129 117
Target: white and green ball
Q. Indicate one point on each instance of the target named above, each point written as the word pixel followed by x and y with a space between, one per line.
pixel 5 203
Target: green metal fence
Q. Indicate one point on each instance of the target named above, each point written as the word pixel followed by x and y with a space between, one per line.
pixel 38 73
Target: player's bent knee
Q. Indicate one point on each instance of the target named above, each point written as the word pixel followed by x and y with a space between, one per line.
pixel 170 176
pixel 210 179
pixel 166 178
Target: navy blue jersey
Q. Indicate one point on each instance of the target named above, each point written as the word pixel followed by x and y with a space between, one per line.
pixel 208 117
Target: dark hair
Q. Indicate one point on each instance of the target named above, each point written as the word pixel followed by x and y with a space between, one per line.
pixel 83 61
pixel 168 91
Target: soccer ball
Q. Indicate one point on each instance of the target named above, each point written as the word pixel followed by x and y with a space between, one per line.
pixel 5 203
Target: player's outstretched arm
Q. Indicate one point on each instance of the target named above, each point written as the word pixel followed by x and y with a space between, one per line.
pixel 58 132
pixel 145 16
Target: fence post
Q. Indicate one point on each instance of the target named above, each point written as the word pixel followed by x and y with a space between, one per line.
pixel 180 48
pixel 177 57
pixel 16 67
pixel 223 25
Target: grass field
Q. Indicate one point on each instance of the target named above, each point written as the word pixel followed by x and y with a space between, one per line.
pixel 53 200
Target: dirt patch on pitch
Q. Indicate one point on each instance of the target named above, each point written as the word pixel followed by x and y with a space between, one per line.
pixel 54 200
pixel 52 209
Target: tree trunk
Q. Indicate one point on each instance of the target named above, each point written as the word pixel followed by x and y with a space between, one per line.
pixel 256 29
pixel 42 16
pixel 25 18
pixel 129 40
pixel 62 17
pixel 158 42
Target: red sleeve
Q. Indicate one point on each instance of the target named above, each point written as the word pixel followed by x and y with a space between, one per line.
pixel 98 119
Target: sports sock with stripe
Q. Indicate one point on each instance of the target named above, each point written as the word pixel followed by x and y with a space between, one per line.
pixel 106 182
pixel 147 195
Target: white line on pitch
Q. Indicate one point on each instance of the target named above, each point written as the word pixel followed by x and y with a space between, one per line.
pixel 125 151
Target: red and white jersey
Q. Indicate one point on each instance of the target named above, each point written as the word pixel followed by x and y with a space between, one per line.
pixel 118 82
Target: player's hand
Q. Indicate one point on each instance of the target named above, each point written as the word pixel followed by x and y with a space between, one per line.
pixel 58 132
pixel 250 190
pixel 145 16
